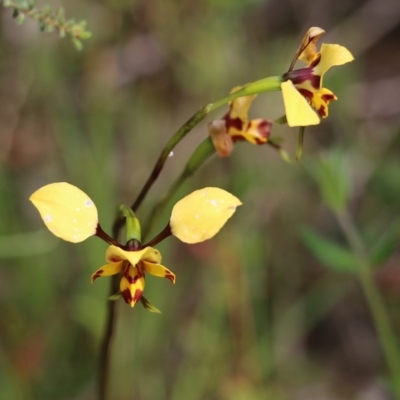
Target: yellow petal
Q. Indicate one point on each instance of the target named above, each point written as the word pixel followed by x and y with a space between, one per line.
pixel 115 254
pixel 67 212
pixel 201 214
pixel 158 270
pixel 107 270
pixel 240 106
pixel 298 111
pixel 331 55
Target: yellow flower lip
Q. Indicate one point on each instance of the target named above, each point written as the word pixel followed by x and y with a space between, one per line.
pixel 133 265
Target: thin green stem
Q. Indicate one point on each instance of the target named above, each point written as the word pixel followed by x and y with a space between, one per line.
pixel 270 84
pixel 375 302
pixel 105 347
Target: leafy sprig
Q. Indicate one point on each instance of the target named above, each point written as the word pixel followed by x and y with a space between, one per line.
pixel 49 20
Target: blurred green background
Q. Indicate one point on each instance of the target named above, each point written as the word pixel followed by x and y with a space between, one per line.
pixel 271 307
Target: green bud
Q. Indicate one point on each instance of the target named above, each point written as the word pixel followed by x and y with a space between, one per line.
pixel 133 230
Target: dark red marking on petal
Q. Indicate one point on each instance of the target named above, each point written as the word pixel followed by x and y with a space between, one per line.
pixel 137 295
pixel 328 97
pixel 236 123
pixel 316 61
pixel 321 111
pixel 169 275
pixel 114 259
pixel 307 94
pixel 97 274
pixel 264 129
pixel 126 294
pixel 300 76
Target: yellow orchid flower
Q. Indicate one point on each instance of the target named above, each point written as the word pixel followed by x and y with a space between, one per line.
pixel 70 214
pixel 133 265
pixel 235 126
pixel 303 90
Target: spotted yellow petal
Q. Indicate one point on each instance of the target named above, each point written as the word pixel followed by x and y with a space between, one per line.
pixel 201 214
pixel 158 270
pixel 67 212
pixel 240 106
pixel 331 55
pixel 298 111
pixel 107 270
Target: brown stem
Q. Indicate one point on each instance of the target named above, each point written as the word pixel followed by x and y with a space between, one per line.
pixel 160 237
pixel 102 235
pixel 105 347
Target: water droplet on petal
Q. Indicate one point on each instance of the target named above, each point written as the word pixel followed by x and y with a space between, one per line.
pixel 48 218
pixel 171 154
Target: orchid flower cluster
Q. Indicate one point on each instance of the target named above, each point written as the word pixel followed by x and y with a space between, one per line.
pixel 305 99
pixel 72 216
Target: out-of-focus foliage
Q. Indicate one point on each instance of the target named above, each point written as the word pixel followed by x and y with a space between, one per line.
pixel 49 20
pixel 254 313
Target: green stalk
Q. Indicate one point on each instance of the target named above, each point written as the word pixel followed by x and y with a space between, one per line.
pixel 199 156
pixel 375 302
pixel 270 84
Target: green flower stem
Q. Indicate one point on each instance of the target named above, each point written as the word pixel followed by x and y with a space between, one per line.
pixel 375 302
pixel 270 84
pixel 199 156
pixel 300 140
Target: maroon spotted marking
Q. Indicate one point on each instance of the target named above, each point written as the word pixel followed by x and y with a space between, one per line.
pixel 137 295
pixel 264 130
pixel 316 61
pixel 321 111
pixel 126 294
pixel 169 275
pixel 114 259
pixel 300 76
pixel 307 94
pixel 328 97
pixel 97 274
pixel 236 123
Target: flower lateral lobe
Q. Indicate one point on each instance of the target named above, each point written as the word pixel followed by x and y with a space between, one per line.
pixel 66 211
pixel 308 81
pixel 133 265
pixel 235 126
pixel 200 215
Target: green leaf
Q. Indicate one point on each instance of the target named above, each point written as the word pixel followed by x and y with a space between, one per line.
pixel 78 44
pixel 114 297
pixel 385 246
pixel 15 13
pixel 148 306
pixel 332 176
pixel 330 254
